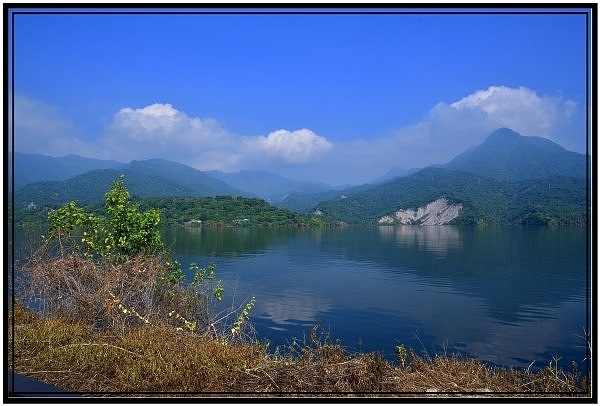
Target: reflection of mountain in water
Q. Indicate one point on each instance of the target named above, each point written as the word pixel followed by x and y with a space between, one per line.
pixel 511 269
pixel 227 242
pixel 437 240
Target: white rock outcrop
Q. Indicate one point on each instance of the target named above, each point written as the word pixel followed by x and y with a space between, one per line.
pixel 436 213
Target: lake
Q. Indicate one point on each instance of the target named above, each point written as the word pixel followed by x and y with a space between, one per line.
pixel 505 295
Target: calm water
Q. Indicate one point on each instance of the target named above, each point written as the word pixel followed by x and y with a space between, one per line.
pixel 506 295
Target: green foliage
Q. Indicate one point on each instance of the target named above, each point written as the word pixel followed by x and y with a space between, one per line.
pixel 401 354
pixel 225 211
pixel 173 274
pixel 204 275
pixel 131 232
pixel 243 317
pixel 121 235
pixel 67 218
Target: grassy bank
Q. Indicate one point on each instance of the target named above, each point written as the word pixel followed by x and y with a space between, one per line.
pixel 159 359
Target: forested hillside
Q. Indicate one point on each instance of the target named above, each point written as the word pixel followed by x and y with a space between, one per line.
pixel 142 178
pixel 224 211
pixel 508 179
pixel 195 211
pixel 484 199
pixel 508 155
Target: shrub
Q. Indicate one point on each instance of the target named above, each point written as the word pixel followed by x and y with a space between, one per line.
pixel 121 235
pixel 113 271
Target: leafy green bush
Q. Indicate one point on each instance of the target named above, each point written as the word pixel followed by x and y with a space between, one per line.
pixel 121 235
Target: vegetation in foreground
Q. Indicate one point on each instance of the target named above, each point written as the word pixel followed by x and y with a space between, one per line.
pixel 158 359
pixel 112 316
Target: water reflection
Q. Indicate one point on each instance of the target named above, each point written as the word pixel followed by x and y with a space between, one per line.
pixel 437 240
pixel 290 306
pixel 219 241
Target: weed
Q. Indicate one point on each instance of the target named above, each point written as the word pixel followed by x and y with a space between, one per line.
pixel 158 359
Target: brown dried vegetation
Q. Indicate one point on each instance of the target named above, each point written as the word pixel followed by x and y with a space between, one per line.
pixel 59 281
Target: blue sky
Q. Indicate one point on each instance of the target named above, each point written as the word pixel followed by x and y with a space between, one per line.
pixel 337 98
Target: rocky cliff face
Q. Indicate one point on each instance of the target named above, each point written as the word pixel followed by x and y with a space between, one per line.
pixel 435 213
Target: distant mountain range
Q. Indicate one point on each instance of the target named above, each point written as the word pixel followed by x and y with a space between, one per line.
pixel 155 177
pixel 396 172
pixel 269 186
pixel 43 180
pixel 509 178
pixel 30 168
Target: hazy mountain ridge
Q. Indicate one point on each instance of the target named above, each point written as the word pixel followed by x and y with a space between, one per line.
pixel 396 172
pixel 197 181
pixel 269 186
pixel 91 187
pixel 142 178
pixel 159 177
pixel 509 178
pixel 30 168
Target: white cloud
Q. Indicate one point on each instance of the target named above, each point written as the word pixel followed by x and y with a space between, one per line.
pixel 444 132
pixel 162 130
pixel 159 124
pixel 41 128
pixel 149 119
pixel 293 146
pixel 521 109
pixel 448 129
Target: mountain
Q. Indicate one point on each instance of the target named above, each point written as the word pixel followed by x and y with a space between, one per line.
pixel 269 186
pixel 508 155
pixel 181 175
pixel 30 168
pixel 508 179
pixel 153 177
pixel 396 172
pixel 305 202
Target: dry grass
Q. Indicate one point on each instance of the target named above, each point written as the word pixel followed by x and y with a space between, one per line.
pixel 158 359
pixel 149 358
pixel 84 341
pixel 57 280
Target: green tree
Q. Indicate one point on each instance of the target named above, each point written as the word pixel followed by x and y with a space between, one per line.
pixel 122 234
pixel 131 232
